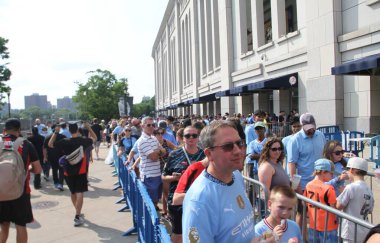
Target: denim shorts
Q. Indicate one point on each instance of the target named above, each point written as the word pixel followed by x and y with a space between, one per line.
pixel 154 187
pixel 331 236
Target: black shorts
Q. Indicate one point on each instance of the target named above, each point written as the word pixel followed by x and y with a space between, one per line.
pixel 300 205
pixel 18 211
pixel 77 183
pixel 176 215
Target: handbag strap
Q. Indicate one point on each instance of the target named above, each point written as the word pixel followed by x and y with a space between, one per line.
pixel 187 156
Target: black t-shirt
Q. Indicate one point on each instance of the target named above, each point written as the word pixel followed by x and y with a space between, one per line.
pixel 68 145
pixel 97 130
pixel 53 154
pixel 38 142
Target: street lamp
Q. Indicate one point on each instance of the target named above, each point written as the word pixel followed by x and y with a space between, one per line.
pixel 125 81
pixel 9 104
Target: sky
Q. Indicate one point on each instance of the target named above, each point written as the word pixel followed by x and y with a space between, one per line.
pixel 53 44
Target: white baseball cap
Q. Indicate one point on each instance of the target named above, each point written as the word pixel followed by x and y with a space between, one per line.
pixel 358 163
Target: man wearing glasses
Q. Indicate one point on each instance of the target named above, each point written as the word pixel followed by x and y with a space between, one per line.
pixel 216 208
pixel 150 150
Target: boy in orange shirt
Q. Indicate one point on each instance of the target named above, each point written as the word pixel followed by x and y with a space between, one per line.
pixel 318 191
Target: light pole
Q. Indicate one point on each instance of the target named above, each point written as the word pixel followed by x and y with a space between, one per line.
pixel 9 104
pixel 125 80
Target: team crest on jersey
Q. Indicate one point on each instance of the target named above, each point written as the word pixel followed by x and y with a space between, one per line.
pixel 193 235
pixel 240 202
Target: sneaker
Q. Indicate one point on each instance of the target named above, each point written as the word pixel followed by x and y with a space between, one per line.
pixel 56 185
pixel 60 187
pixel 78 221
pixel 37 187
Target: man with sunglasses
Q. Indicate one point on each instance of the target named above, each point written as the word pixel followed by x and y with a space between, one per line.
pixel 150 150
pixel 303 149
pixel 216 208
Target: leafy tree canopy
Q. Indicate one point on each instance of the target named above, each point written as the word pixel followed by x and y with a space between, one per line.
pixel 5 73
pixel 146 107
pixel 99 96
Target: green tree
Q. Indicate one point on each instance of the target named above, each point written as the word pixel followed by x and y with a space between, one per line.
pixel 5 73
pixel 32 113
pixel 99 96
pixel 146 107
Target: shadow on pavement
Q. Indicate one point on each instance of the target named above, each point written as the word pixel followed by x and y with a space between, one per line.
pixel 107 234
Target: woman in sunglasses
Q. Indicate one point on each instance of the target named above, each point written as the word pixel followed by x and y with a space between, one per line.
pixel 271 171
pixel 126 142
pixel 333 151
pixel 178 161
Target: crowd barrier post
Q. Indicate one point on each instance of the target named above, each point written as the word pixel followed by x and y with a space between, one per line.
pixel 258 195
pixel 146 222
pixel 341 215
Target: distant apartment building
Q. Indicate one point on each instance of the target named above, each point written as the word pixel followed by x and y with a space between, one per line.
pixel 36 100
pixel 66 103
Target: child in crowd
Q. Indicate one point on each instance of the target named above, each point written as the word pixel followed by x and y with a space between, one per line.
pixel 281 203
pixel 333 151
pixel 323 193
pixel 356 200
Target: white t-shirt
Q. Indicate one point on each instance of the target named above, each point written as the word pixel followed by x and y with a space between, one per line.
pixel 358 200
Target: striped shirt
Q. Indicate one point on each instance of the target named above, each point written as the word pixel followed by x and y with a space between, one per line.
pixel 146 145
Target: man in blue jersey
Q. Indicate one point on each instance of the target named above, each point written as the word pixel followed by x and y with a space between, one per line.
pixel 216 208
pixel 303 149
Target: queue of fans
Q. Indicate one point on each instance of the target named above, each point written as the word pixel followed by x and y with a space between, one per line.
pixel 194 165
pixel 171 153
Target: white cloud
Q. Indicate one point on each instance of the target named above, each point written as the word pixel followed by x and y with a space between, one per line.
pixel 54 43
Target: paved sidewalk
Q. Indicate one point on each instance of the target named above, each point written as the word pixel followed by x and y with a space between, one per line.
pixel 54 213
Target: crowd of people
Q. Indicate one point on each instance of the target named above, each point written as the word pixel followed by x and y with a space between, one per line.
pixel 199 176
pixel 194 165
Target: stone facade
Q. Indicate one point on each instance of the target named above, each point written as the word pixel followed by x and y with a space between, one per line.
pixel 206 47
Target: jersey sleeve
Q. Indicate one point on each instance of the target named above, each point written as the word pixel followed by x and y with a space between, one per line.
pixel 196 223
pixel 292 150
pixel 184 180
pixel 345 196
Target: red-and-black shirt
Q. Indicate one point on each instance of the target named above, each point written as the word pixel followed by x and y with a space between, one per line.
pixel 28 154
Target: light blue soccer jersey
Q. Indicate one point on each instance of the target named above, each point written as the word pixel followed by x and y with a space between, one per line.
pixel 217 212
pixel 291 230
pixel 304 151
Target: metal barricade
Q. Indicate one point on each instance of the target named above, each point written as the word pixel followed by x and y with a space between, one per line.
pixel 279 129
pixel 340 215
pixel 146 222
pixel 258 195
pixel 329 129
pixel 349 144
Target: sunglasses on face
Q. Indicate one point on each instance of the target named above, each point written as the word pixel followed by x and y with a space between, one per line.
pixel 159 133
pixel 194 135
pixel 127 130
pixel 228 147
pixel 338 152
pixel 150 125
pixel 276 149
